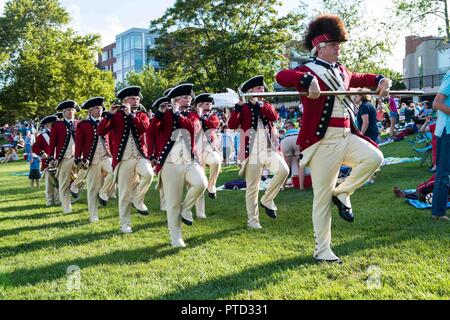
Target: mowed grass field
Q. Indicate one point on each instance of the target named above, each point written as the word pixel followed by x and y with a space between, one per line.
pixel 223 259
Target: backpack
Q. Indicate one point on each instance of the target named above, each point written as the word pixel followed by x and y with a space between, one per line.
pixel 235 185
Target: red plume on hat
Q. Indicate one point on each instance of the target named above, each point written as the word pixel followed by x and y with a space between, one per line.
pixel 325 28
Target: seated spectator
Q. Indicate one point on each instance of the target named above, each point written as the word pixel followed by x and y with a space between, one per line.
pixel 18 142
pixel 293 115
pixel 2 153
pixel 382 107
pixel 11 156
pixel 403 107
pixel 409 130
pixel 427 111
pixel 410 113
pixel 380 113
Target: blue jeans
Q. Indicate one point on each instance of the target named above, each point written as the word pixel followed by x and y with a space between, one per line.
pixel 441 184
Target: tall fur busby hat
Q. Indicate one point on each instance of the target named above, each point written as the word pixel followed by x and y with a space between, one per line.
pixel 325 28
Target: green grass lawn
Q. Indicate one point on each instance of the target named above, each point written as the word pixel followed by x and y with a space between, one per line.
pixel 223 259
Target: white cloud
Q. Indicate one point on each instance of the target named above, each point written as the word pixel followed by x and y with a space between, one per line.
pixel 108 28
pixel 88 22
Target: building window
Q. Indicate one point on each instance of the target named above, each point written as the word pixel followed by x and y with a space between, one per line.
pixel 138 61
pixel 443 61
pixel 137 42
pixel 119 62
pixel 104 55
pixel 126 60
pixel 126 44
pixel 113 52
pixel 131 59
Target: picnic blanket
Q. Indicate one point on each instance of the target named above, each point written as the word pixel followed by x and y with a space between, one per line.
pixel 422 205
pixel 395 160
pixel 262 185
pixel 19 174
pixel 385 142
pixel 415 202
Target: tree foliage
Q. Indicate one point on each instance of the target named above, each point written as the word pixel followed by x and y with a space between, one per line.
pixel 416 12
pixel 153 83
pixel 220 43
pixel 365 50
pixel 46 64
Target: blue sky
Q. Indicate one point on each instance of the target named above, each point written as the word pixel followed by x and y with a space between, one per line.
pixel 111 17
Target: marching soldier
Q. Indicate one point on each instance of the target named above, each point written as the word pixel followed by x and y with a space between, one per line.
pixel 92 153
pixel 328 137
pixel 42 148
pixel 62 150
pixel 259 150
pixel 126 127
pixel 173 150
pixel 209 149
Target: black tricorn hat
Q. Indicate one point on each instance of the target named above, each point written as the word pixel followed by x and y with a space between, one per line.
pixel 129 91
pixel 93 102
pixel 48 119
pixel 204 97
pixel 184 89
pixel 67 104
pixel 161 100
pixel 167 92
pixel 325 28
pixel 253 82
pixel 59 115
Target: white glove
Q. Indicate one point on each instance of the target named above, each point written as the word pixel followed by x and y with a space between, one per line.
pixel 383 87
pixel 314 89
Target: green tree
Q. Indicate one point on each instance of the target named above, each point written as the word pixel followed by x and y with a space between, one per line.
pixel 220 43
pixel 396 77
pixel 153 83
pixel 417 11
pixel 46 64
pixel 365 50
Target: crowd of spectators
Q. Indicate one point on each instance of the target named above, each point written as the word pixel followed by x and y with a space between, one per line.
pixel 20 135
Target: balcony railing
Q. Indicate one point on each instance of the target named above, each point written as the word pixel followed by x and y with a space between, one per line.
pixel 432 81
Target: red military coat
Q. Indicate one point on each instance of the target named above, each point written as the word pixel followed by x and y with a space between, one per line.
pixel 87 139
pixel 41 146
pixel 160 132
pixel 317 113
pixel 59 139
pixel 246 118
pixel 119 126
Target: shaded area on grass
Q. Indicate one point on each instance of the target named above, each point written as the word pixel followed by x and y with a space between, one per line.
pixel 24 277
